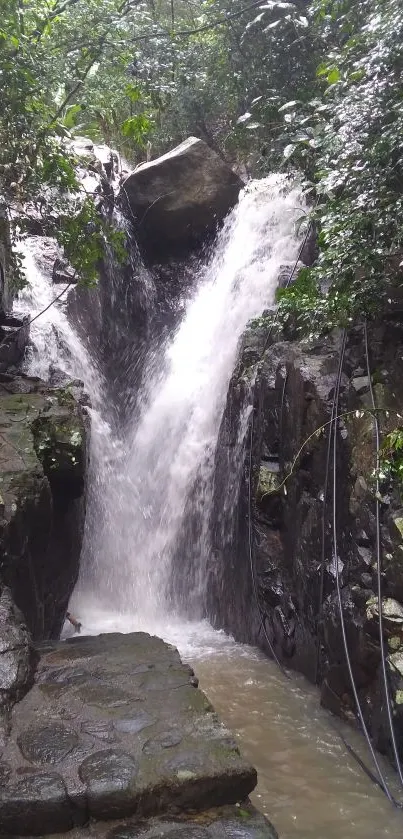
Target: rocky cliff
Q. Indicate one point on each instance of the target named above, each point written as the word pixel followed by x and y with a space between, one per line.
pixel 43 459
pixel 43 436
pixel 282 530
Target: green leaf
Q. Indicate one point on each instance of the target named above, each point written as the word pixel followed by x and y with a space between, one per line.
pixel 133 92
pixel 334 76
pixel 69 120
pixel 289 150
pixel 136 128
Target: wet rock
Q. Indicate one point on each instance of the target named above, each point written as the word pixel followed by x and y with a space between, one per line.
pixel 164 741
pixel 59 440
pixel 291 388
pixel 135 724
pixel 396 660
pixel 5 772
pixel 100 729
pixel 14 337
pixel 47 744
pixel 178 199
pixel 110 778
pixel 104 696
pixel 288 274
pixel 5 256
pixel 17 656
pixel 360 383
pixel 63 272
pixel 64 676
pixel 34 804
pixel 248 829
pixel 221 823
pixel 171 680
pixel 392 612
pixel 44 451
pixel 115 760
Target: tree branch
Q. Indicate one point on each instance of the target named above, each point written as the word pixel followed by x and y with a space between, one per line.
pixel 187 32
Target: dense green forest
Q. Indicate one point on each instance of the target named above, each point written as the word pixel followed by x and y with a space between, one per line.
pixel 308 88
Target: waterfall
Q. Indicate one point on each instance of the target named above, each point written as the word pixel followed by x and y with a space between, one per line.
pixel 154 475
pixel 55 347
pixel 145 483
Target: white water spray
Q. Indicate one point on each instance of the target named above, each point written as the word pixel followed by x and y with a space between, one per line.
pixel 55 345
pixel 137 505
pixel 143 484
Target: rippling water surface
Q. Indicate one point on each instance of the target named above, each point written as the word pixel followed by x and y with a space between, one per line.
pixel 309 785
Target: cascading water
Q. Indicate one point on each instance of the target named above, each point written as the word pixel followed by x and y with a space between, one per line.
pixel 143 489
pixel 144 484
pixel 55 345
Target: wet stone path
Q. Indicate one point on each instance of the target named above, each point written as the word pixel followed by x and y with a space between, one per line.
pixel 116 728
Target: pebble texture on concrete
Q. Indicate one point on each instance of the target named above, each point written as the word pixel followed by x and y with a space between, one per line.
pixel 115 727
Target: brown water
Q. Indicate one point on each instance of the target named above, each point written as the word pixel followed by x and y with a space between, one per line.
pixel 308 784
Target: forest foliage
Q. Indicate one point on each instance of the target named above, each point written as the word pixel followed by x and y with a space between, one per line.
pixel 307 87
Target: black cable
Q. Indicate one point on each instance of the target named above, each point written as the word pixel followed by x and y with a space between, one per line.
pixel 382 783
pixel 323 555
pixel 356 757
pixel 334 416
pixel 382 779
pixel 379 563
pixel 280 431
pixel 27 323
pixel 262 613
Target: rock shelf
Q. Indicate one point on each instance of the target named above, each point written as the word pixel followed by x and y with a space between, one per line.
pixel 115 727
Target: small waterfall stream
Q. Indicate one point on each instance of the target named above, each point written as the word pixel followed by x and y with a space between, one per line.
pixel 142 481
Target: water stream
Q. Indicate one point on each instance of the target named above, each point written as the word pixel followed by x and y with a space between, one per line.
pixel 140 483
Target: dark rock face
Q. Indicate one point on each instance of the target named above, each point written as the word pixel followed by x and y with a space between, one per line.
pixel 5 253
pixel 14 337
pixel 17 657
pixel 44 451
pixel 291 390
pixel 63 272
pixel 178 199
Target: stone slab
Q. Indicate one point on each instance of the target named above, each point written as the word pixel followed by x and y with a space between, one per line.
pixel 227 822
pixel 114 726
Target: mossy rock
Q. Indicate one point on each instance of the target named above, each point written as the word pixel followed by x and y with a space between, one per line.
pixel 268 483
pixel 58 442
pixel 397 527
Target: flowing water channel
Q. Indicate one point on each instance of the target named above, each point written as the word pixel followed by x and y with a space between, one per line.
pixel 141 483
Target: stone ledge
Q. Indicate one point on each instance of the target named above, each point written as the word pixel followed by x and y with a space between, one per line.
pixel 114 727
pixel 227 822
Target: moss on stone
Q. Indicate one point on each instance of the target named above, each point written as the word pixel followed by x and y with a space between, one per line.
pixel 268 483
pixel 58 442
pixel 398 522
pixel 396 660
pixel 394 643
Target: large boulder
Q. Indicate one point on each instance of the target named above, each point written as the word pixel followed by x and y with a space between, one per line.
pixel 178 199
